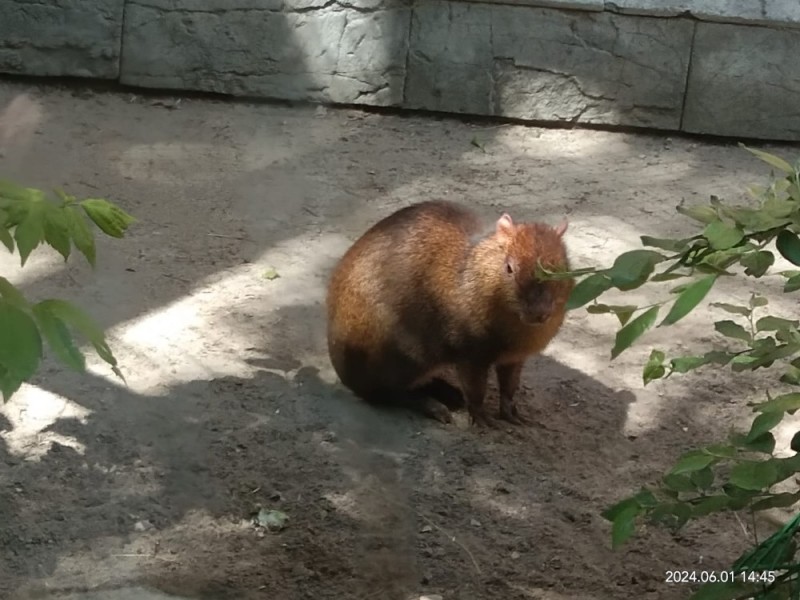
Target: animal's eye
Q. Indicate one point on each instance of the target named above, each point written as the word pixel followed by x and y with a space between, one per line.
pixel 509 268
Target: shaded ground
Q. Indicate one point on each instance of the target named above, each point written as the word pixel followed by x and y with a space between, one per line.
pixel 232 405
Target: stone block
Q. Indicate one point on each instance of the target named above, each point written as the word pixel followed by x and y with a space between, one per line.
pixel 595 5
pixel 79 38
pixel 776 12
pixel 744 82
pixel 317 50
pixel 548 65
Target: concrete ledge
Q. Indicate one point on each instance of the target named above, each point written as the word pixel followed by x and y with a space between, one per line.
pixel 722 68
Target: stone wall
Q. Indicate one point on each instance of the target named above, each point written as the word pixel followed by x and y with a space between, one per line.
pixel 724 68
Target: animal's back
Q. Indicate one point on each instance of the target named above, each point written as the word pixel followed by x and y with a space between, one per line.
pixel 394 282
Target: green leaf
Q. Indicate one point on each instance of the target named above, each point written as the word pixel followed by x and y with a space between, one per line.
pixel 704 214
pixel 270 274
pixel 110 218
pixel 692 461
pixel 20 347
pixel 654 369
pixel 782 500
pixel 763 423
pixel 703 479
pixel 757 301
pixel 624 526
pixel 679 483
pixel 59 338
pixel 56 230
pixel 721 450
pixel 788 244
pixel 12 191
pixel 770 323
pixel 81 234
pixel 732 308
pixel 633 330
pixel 765 358
pixel 765 443
pixel 754 475
pixel 667 276
pixel 623 313
pixel 673 515
pixel 665 244
pixel 757 263
pixel 12 295
pixel 772 160
pixel 689 299
pixel 783 403
pixel 720 591
pixel 722 236
pixel 611 513
pixel 30 232
pixel 631 269
pixel 732 329
pixel 75 318
pixel 792 284
pixel 710 504
pixel 588 289
pixel 792 376
pixel 787 467
pixel 684 364
pixel 5 235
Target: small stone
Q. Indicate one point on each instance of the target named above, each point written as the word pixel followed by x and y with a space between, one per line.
pixel 426 529
pixel 503 488
pixel 320 111
pixel 431 597
pixel 515 555
pixel 474 522
pixel 142 526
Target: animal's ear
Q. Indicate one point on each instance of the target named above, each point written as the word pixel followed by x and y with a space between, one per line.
pixel 505 226
pixel 562 228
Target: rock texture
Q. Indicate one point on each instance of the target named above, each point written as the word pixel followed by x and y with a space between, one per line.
pixel 548 65
pixel 318 50
pixel 724 68
pixel 744 82
pixel 778 12
pixel 61 37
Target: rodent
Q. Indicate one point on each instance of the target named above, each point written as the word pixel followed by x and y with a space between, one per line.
pixel 430 287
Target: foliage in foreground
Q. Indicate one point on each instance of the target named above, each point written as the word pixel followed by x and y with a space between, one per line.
pixel 29 218
pixel 740 473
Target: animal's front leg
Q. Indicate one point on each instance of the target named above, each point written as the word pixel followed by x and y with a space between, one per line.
pixel 508 376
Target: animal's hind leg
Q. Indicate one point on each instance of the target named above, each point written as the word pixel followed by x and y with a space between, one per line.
pixel 389 381
pixel 444 392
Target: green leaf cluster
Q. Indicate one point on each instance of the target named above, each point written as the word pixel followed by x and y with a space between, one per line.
pixel 741 473
pixel 28 219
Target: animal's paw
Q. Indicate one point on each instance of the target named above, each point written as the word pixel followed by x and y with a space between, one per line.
pixel 511 414
pixel 479 418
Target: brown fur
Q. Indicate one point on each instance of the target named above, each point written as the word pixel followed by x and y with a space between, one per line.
pixel 424 289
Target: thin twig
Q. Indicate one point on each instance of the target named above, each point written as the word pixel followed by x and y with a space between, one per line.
pixel 175 277
pixel 741 523
pixel 229 237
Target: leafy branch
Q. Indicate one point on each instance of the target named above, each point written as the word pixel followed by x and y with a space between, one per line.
pixel 743 472
pixel 28 219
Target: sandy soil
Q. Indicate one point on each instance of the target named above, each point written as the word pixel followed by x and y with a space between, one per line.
pixel 231 403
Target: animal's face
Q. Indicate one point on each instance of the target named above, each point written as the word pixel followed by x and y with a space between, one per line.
pixel 528 246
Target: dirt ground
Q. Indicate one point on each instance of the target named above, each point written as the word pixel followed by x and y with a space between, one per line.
pixel 231 404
